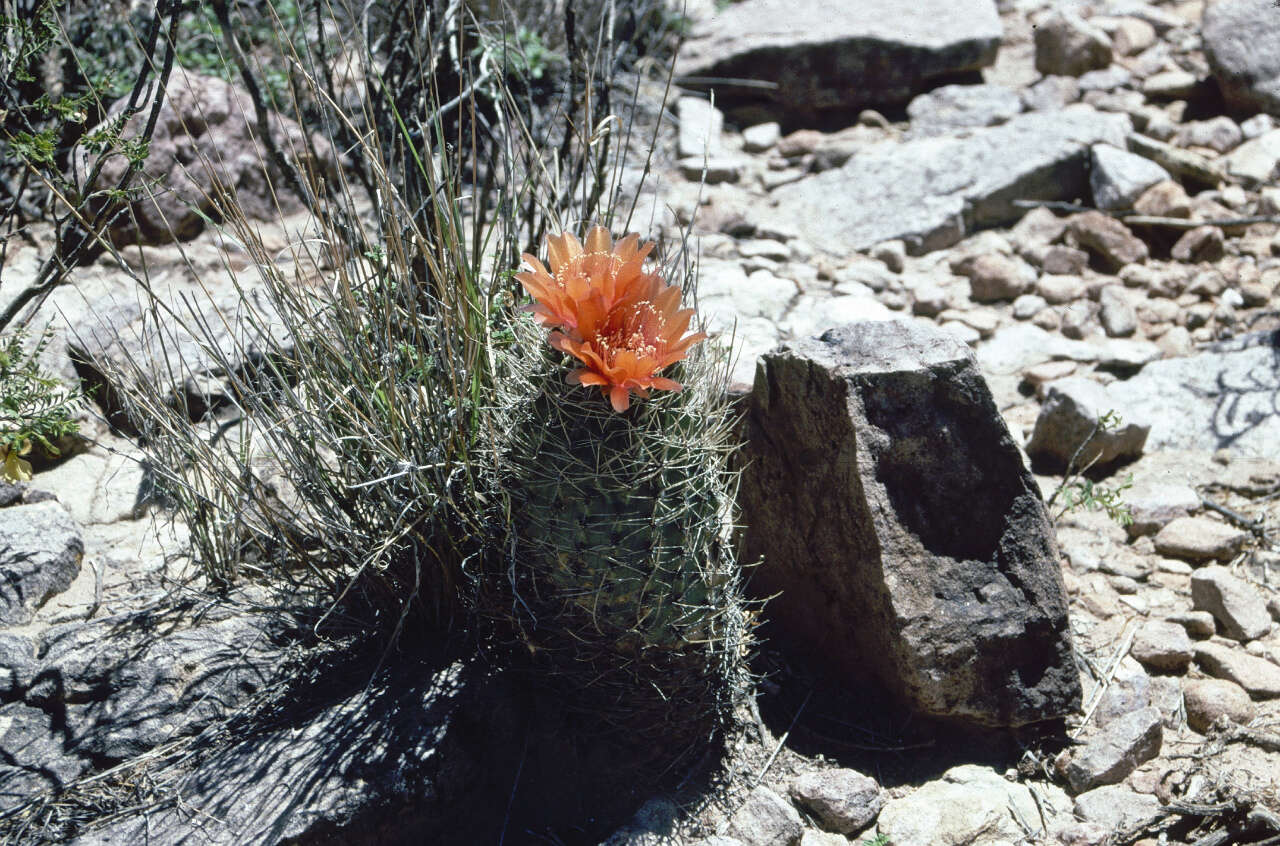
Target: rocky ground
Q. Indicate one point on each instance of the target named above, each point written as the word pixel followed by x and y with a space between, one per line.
pixel 1083 193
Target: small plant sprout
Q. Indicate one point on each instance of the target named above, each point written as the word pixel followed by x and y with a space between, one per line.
pixel 1078 492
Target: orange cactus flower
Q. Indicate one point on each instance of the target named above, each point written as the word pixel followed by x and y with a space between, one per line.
pixel 622 323
pixel 585 284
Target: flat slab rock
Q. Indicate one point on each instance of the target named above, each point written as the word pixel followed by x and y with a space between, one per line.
pixel 825 56
pixel 1222 398
pixel 893 513
pixel 931 192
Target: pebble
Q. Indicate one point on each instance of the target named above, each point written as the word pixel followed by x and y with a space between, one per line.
pixel 1115 751
pixel 1256 675
pixel 1162 645
pixel 766 819
pixel 842 800
pixel 1240 611
pixel 1057 290
pixel 1208 699
pixel 1198 624
pixel 1199 539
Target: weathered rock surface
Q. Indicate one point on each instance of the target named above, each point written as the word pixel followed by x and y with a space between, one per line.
pixel 1115 807
pixel 844 801
pixel 1163 646
pixel 970 804
pixel 1071 410
pixel 766 819
pixel 40 552
pixel 1256 675
pixel 1118 178
pixel 893 512
pixel 1214 399
pixel 1242 44
pixel 1209 699
pixel 1240 611
pixel 958 106
pixel 826 61
pixel 930 192
pixel 204 152
pixel 1067 45
pixel 1199 539
pixel 1115 751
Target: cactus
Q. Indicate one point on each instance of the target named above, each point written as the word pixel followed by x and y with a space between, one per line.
pixel 619 582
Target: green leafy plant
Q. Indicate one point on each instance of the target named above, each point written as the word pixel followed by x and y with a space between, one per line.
pixel 878 840
pixel 36 410
pixel 1081 493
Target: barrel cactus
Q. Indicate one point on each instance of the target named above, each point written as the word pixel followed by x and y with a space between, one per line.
pixel 619 581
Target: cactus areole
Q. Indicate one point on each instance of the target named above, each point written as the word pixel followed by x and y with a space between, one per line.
pixel 622 323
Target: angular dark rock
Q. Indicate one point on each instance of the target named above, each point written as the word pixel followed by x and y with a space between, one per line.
pixel 825 63
pixel 1115 751
pixel 1067 421
pixel 893 512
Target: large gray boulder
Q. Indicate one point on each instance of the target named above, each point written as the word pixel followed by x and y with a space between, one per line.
pixel 931 192
pixel 40 551
pixel 1242 44
pixel 806 60
pixel 893 513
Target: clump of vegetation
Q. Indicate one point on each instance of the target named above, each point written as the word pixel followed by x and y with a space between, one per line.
pixel 36 410
pixel 1081 493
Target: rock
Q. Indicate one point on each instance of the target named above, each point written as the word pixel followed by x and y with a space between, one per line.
pixel 1060 260
pixel 844 431
pixel 762 137
pixel 653 824
pixel 1116 312
pixel 1028 306
pixel 713 171
pixel 1107 238
pixel 1256 126
pixel 1199 624
pixel 1130 690
pixel 929 299
pixel 1066 45
pixel 1220 134
pixel 970 804
pixel 1199 539
pixel 1163 646
pixel 813 315
pixel 381 763
pixel 203 152
pixel 893 254
pixel 32 758
pixel 844 801
pixel 1170 85
pixel 1240 611
pixel 1153 505
pixel 994 277
pixel 1242 44
pixel 1071 410
pixel 766 819
pixel 930 192
pixel 701 125
pixel 1204 243
pixel 1117 750
pixel 958 106
pixel 17 664
pixel 1132 36
pixel 40 552
pixel 1115 807
pixel 1107 79
pixel 887 53
pixel 1058 290
pixel 125 693
pixel 1183 164
pixel 1164 199
pixel 1051 93
pixel 1013 349
pixel 1118 177
pixel 1256 675
pixel 1208 699
pixel 1254 162
pixel 1211 399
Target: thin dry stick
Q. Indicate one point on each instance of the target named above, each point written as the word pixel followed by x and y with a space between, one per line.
pixel 1130 630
